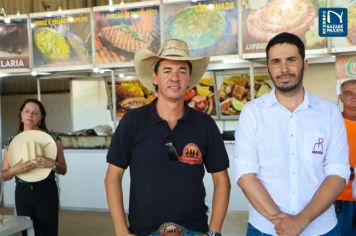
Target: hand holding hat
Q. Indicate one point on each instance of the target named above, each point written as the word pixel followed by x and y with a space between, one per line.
pixel 22 167
pixel 32 155
pixel 40 162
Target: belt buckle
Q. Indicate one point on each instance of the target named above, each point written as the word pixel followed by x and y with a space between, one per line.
pixel 171 229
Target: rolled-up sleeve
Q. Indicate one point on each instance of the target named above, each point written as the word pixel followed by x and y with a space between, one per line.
pixel 336 160
pixel 245 153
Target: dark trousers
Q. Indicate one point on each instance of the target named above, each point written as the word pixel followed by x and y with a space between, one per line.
pixel 39 200
pixel 346 215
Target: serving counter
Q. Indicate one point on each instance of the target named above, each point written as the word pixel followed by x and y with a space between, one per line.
pixel 82 188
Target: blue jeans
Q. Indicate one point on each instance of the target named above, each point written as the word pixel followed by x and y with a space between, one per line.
pixel 188 233
pixel 252 231
pixel 346 215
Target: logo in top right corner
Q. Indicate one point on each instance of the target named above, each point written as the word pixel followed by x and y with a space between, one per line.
pixel 332 22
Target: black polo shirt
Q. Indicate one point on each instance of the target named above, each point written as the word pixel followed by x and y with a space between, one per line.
pixel 163 190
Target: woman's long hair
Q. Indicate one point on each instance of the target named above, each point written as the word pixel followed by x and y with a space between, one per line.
pixel 42 123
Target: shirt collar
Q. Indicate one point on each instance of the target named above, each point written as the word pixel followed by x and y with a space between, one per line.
pixel 153 112
pixel 271 99
pixel 157 119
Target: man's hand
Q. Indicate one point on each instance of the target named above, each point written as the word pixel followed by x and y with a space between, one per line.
pixel 258 196
pixel 286 224
pixel 113 187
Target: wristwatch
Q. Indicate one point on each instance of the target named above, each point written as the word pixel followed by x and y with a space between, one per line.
pixel 213 233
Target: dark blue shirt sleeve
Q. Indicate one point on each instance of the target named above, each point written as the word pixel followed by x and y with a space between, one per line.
pixel 216 158
pixel 119 151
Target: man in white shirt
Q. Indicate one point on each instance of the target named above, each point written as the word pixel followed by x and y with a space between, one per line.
pixel 291 153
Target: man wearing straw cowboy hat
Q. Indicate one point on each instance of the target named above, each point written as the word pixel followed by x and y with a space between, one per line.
pixel 167 145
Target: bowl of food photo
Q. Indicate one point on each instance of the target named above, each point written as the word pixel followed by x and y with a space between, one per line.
pixel 51 45
pixel 201 29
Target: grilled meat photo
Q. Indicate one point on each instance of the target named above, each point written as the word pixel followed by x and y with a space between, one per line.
pixel 123 37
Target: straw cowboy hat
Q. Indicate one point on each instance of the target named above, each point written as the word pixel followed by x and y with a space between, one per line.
pixel 172 49
pixel 26 146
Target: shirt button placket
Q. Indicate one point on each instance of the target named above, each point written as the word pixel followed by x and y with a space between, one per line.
pixel 292 162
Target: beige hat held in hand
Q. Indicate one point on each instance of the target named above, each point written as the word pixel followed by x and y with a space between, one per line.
pixel 26 146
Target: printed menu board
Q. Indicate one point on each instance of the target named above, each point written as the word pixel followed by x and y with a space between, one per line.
pixel 234 91
pixel 61 41
pixel 263 19
pixel 130 94
pixel 122 32
pixel 209 27
pixel 202 96
pixel 345 66
pixel 14 47
pixel 348 43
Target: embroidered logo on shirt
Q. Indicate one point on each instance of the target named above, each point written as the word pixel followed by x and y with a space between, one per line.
pixel 318 147
pixel 191 154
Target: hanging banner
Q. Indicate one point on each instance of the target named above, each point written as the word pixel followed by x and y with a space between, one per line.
pixel 345 66
pixel 130 94
pixel 263 19
pixel 14 46
pixel 209 27
pixel 348 43
pixel 120 33
pixel 235 90
pixel 62 41
pixel 202 96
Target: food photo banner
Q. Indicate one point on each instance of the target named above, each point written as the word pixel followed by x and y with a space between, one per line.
pixel 262 20
pixel 234 90
pixel 209 27
pixel 122 32
pixel 202 96
pixel 14 45
pixel 345 66
pixel 348 43
pixel 130 94
pixel 62 40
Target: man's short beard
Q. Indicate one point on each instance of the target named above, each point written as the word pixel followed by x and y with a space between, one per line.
pixel 291 88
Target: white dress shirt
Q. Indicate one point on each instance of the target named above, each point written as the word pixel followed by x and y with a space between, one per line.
pixel 291 153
